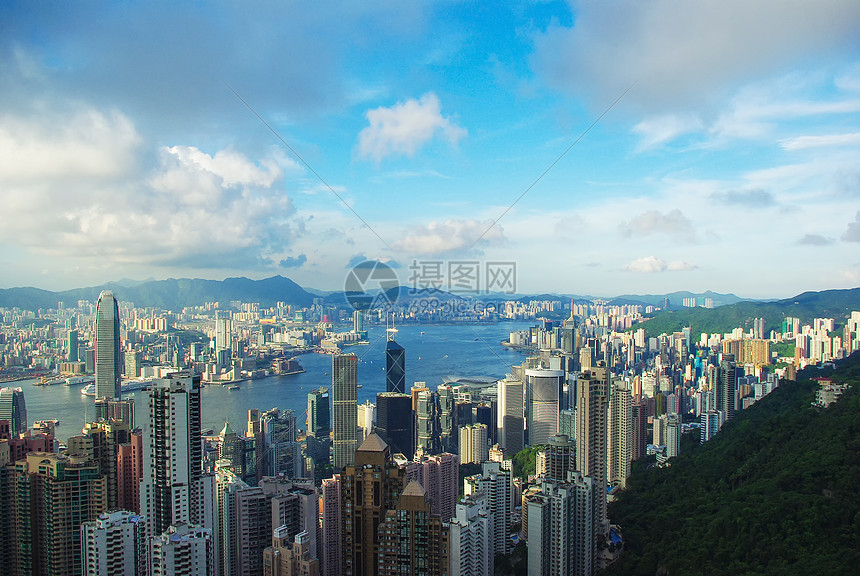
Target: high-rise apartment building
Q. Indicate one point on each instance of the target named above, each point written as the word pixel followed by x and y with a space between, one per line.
pixel 673 435
pixel 726 386
pixel 109 363
pixel 99 443
pixel 129 472
pixel 560 458
pixel 369 488
pixel 183 550
pixel 591 434
pixel 439 476
pixel 495 482
pixel 470 539
pixel 620 437
pixel 13 409
pixel 54 495
pixel 223 339
pixel 173 490
pixel 412 541
pixel 474 448
pixel 115 543
pixel 244 525
pixel 344 395
pixel 561 528
pixel 330 528
pixel 112 409
pixel 511 417
pixel 290 557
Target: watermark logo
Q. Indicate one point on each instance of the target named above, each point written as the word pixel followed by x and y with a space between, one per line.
pixel 462 277
pixel 371 284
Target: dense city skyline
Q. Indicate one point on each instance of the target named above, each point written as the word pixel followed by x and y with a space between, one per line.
pixel 124 151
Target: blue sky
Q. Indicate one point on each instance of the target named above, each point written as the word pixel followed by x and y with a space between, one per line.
pixel 731 164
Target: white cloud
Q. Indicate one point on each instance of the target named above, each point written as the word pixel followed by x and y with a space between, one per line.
pixel 116 203
pixel 646 265
pixel 803 142
pixel 652 264
pixel 681 266
pixel 852 234
pixel 672 223
pixel 688 54
pixel 406 127
pixel 449 236
pixel 82 144
pixel 231 167
pixel 657 130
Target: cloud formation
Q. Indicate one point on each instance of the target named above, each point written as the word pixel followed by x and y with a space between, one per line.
pixel 804 142
pixel 652 264
pixel 173 206
pixel 450 235
pixel 687 54
pixel 405 128
pixel 852 234
pixel 815 240
pixel 672 223
pixel 293 261
pixel 755 198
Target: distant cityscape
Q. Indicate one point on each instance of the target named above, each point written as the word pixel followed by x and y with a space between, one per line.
pixel 431 478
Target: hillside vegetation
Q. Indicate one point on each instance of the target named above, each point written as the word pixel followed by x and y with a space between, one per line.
pixel 775 492
pixel 827 304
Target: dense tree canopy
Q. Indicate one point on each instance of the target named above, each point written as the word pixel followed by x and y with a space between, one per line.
pixel 775 492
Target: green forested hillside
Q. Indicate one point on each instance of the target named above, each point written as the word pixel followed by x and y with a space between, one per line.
pixel 827 304
pixel 775 492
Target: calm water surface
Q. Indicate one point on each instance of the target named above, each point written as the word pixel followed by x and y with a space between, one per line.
pixel 430 356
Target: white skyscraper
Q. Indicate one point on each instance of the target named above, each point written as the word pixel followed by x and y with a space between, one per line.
pixel 561 528
pixel 495 483
pixel 115 544
pixel 470 539
pixel 174 490
pixel 183 551
pixel 107 346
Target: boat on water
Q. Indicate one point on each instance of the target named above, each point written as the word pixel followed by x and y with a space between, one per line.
pixel 79 380
pixel 125 388
pixel 232 388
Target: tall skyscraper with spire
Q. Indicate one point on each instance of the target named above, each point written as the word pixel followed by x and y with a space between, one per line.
pixel 108 351
pixel 395 365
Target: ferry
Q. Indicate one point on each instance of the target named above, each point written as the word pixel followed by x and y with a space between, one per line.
pixel 233 387
pixel 127 388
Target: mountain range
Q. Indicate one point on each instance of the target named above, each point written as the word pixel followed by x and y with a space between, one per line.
pixel 174 294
